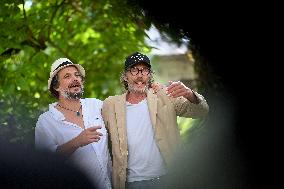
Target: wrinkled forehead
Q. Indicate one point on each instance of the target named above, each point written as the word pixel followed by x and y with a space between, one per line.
pixel 68 69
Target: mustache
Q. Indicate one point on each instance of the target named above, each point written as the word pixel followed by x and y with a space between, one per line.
pixel 74 84
pixel 139 80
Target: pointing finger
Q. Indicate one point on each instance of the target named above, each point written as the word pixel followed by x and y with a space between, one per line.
pixel 94 128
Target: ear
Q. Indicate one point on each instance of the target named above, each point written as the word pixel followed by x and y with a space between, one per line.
pixel 125 78
pixel 57 89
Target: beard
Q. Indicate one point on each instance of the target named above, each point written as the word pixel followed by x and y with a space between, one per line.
pixel 72 95
pixel 134 89
pixel 67 94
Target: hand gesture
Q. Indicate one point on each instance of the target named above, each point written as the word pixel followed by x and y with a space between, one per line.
pixel 177 89
pixel 156 87
pixel 88 136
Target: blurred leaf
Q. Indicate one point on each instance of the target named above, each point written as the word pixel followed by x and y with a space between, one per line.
pixel 96 34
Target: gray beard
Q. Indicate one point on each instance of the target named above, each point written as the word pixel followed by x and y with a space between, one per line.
pixel 72 96
pixel 140 91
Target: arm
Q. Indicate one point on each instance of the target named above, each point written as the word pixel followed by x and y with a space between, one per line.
pixel 44 139
pixel 69 147
pixel 185 108
pixel 84 138
pixel 186 102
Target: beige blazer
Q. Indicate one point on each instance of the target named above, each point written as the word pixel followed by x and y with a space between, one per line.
pixel 163 113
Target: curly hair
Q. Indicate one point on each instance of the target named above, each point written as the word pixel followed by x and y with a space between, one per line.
pixel 54 85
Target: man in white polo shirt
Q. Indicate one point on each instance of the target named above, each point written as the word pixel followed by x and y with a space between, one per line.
pixel 73 126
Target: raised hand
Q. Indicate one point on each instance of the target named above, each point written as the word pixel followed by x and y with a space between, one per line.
pixel 156 87
pixel 177 89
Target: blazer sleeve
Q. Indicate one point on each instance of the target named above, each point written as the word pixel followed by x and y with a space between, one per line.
pixel 185 108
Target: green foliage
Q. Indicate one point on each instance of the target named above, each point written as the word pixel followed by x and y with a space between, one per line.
pixel 185 124
pixel 96 34
pixel 189 128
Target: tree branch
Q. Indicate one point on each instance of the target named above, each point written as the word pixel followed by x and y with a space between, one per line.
pixel 24 11
pixel 53 16
pixel 60 49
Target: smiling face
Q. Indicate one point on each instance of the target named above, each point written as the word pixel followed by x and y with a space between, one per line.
pixel 70 83
pixel 138 77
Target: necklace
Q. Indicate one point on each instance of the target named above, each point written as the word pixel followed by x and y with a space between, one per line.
pixel 77 112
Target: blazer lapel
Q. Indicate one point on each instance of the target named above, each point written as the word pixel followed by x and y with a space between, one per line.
pixel 120 111
pixel 152 105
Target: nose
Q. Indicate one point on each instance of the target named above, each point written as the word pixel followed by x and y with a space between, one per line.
pixel 75 77
pixel 140 72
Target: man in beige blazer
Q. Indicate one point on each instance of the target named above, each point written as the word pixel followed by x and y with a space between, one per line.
pixel 142 124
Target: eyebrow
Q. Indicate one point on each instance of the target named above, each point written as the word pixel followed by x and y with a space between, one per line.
pixel 68 73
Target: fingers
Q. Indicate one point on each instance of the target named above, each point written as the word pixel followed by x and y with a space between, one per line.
pixel 91 135
pixel 94 128
pixel 156 87
pixel 100 134
pixel 178 93
pixel 87 139
pixel 177 89
pixel 93 131
pixel 95 137
pixel 95 134
pixel 156 84
pixel 95 140
pixel 174 86
pixel 92 140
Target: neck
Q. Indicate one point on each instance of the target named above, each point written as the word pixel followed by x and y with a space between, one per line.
pixel 72 104
pixel 135 98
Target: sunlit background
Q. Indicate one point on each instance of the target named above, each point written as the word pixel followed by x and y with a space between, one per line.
pixel 99 35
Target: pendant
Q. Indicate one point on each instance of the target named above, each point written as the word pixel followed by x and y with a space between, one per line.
pixel 78 113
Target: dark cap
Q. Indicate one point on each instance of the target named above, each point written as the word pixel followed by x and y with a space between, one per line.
pixel 136 58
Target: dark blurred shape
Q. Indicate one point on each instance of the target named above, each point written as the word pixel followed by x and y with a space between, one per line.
pixel 23 167
pixel 231 150
pixel 210 157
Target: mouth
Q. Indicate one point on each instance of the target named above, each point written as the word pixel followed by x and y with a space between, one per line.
pixel 76 86
pixel 139 83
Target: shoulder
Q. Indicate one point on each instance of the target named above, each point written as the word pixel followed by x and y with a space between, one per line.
pixel 43 119
pixel 112 99
pixel 92 102
pixel 44 116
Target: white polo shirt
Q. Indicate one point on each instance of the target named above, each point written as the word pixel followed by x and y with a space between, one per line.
pixel 93 159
